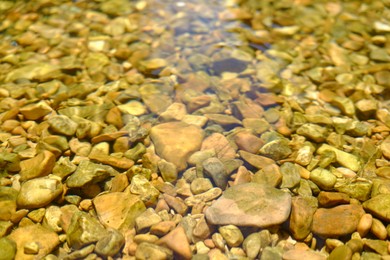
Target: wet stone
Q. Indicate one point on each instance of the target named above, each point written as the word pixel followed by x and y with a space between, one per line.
pixel 276 149
pixel 118 210
pixel 232 235
pixel 35 111
pixel 38 192
pixel 250 205
pixel 176 141
pixel 62 125
pixel 348 217
pixel 216 170
pixel 89 172
pixel 145 250
pixel 200 185
pixel 177 241
pixel 147 219
pixel 301 219
pixel 39 166
pixel 313 132
pixel 47 240
pixel 83 230
pixel 323 178
pixel 343 158
pixel 7 248
pixel 291 176
pixel 110 244
pixel 330 199
pixel 379 206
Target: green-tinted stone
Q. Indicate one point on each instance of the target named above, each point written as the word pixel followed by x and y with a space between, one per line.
pixel 341 253
pixel 323 178
pixel 360 189
pixel 7 249
pixel 291 176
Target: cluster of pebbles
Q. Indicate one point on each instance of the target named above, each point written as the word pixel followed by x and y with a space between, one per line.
pixel 195 129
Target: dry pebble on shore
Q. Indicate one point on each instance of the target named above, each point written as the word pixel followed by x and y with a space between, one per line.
pixel 194 130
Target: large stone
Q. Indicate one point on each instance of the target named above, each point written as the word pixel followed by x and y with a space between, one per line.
pixel 176 141
pixel 250 204
pixel 223 149
pixel 47 240
pixel 347 217
pixel 39 166
pixel 38 192
pixel 379 206
pixel 118 210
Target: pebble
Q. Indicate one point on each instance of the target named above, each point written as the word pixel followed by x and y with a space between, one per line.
pixel 378 246
pixel 221 146
pixel 47 239
pixel 314 132
pixel 378 229
pixel 176 141
pixel 63 125
pixel 290 175
pixel 250 204
pixel 89 172
pixel 295 254
pixel 39 192
pixel 248 142
pixel 177 241
pixel 35 111
pixel 110 244
pixel 216 170
pixel 257 161
pixel 252 245
pixel 276 149
pixel 7 248
pixel 269 175
pixel 232 235
pixel 145 250
pixel 162 228
pixel 364 225
pixel 323 178
pixel 168 170
pixel 341 253
pixel 301 218
pixel 347 216
pixel 39 166
pixel 343 158
pixel 200 185
pixel 330 199
pixel 118 210
pixel 379 206
pixel 83 230
pixel 147 219
pixel 176 203
pixel 206 196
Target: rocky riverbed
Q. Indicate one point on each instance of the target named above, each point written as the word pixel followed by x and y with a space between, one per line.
pixel 195 130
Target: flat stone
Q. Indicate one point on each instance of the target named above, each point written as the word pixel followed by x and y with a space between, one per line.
pixel 276 149
pixel 291 176
pixel 385 147
pixel 133 107
pixel 35 111
pixel 379 206
pixel 162 228
pixel 47 240
pixel 41 165
pixel 118 210
pixel 175 112
pixel 257 161
pixel 168 170
pixel 63 125
pixel 269 175
pixel 88 172
pixel 331 199
pixel 200 185
pixel 141 186
pixel 221 146
pixel 176 141
pixel 83 230
pixel 38 192
pixel 248 142
pixel 347 216
pixel 40 70
pixel 250 204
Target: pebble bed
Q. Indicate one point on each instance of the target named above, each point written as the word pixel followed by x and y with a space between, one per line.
pixel 236 129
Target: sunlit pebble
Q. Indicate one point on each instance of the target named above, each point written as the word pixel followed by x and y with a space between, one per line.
pixel 180 4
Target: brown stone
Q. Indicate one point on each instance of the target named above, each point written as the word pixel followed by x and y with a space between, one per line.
pixel 39 166
pixel 177 241
pixel 347 217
